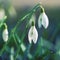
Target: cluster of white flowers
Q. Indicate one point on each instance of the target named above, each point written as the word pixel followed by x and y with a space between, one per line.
pixel 33 33
pixel 42 21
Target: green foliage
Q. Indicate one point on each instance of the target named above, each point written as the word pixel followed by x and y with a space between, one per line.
pixel 23 49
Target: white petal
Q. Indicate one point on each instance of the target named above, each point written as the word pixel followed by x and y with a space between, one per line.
pixel 35 35
pixel 40 21
pixel 32 35
pixel 2 14
pixel 5 35
pixel 45 21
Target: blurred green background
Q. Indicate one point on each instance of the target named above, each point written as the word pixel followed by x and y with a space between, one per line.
pixel 48 44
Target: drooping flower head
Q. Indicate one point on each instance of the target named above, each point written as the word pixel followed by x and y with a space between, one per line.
pixel 33 34
pixel 43 19
pixel 5 34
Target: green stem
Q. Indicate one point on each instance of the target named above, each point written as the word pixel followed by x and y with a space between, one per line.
pixel 23 36
pixel 5 25
pixel 4 47
pixel 14 29
pixel 42 9
pixel 22 19
pixel 33 10
pixel 2 22
pixel 15 40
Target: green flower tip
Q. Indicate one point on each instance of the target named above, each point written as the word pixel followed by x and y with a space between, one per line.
pixel 5 25
pixel 42 9
pixel 33 23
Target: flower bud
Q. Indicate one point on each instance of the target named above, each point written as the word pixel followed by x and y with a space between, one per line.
pixel 5 35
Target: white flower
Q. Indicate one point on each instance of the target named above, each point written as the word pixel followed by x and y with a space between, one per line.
pixel 43 20
pixel 2 14
pixel 5 35
pixel 33 35
pixel 12 11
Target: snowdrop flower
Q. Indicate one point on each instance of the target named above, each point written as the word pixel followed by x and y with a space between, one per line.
pixel 43 20
pixel 2 14
pixel 5 35
pixel 33 34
